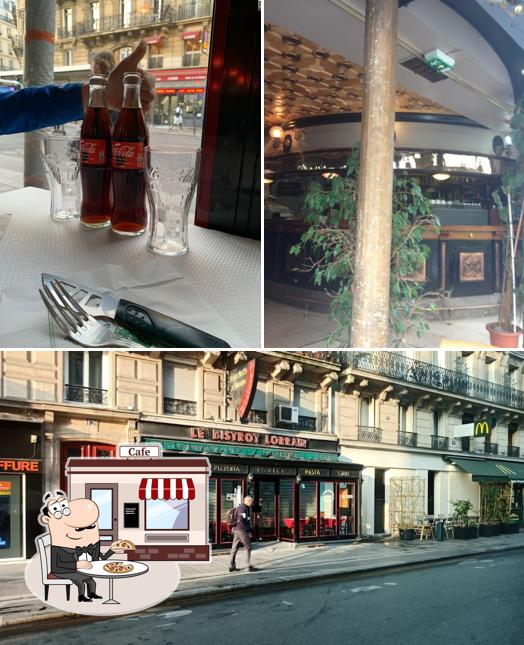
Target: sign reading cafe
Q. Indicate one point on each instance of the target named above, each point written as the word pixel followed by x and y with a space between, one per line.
pixel 243 386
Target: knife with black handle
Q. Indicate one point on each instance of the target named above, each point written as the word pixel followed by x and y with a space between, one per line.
pixel 161 330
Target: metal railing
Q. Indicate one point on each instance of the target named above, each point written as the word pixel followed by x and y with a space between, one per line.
pixel 179 406
pixel 190 10
pixel 115 23
pixel 81 394
pixel 306 423
pixel 424 374
pixel 439 443
pixel 257 416
pixel 408 439
pixel 513 451
pixel 491 449
pixel 369 433
pixel 191 60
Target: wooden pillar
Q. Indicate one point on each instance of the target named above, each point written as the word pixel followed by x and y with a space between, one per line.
pixel 370 315
pixel 39 54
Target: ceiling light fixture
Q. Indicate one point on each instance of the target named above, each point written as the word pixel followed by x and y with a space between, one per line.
pixel 441 176
pixel 330 175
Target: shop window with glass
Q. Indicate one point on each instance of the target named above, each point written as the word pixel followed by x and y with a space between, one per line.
pixel 85 377
pixel 231 494
pixel 267 501
pixel 11 517
pixel 328 518
pixel 346 508
pixel 212 501
pixel 286 509
pixel 179 389
pixel 308 509
pixel 164 514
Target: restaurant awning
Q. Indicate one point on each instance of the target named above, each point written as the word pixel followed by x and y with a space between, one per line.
pixel 244 451
pixel 484 470
pixel 156 488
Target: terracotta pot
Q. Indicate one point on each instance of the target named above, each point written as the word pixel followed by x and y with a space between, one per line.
pixel 501 338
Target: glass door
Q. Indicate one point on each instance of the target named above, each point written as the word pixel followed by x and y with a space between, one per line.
pixel 231 494
pixel 346 509
pixel 11 516
pixel 286 509
pixel 105 497
pixel 266 503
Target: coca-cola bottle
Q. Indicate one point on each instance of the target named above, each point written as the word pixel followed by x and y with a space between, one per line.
pixel 129 183
pixel 95 158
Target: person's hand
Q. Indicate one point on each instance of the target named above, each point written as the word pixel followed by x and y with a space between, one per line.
pixel 115 87
pixel 84 564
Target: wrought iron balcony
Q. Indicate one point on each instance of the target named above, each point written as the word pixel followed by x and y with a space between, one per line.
pixel 439 443
pixel 190 10
pixel 81 394
pixel 408 439
pixel 491 449
pixel 424 374
pixel 369 433
pixel 306 423
pixel 179 406
pixel 257 416
pixel 119 22
pixel 513 451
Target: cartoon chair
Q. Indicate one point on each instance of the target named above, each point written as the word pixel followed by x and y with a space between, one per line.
pixel 43 543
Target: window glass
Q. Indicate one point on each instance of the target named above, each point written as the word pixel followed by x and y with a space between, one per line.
pixel 308 509
pixel 10 516
pixel 287 516
pixel 327 508
pixel 346 501
pixel 167 514
pixel 103 498
pixel 212 511
pixel 76 368
pixel 95 370
pixel 230 496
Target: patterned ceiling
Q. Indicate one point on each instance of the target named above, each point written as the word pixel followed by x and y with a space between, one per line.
pixel 303 79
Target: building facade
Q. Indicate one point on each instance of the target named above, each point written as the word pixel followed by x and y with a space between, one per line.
pixel 8 36
pixel 177 33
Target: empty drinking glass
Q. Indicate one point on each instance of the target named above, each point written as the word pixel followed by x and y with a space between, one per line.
pixel 61 160
pixel 172 175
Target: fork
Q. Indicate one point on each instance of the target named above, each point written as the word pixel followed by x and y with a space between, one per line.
pixel 78 324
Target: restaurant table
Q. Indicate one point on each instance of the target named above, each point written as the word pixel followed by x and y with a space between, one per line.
pixel 216 286
pixel 97 571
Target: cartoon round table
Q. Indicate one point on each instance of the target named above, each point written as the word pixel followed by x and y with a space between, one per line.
pixel 98 572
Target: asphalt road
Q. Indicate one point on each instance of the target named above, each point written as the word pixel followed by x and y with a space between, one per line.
pixel 475 601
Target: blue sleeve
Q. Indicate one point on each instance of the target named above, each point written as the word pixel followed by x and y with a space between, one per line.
pixel 40 107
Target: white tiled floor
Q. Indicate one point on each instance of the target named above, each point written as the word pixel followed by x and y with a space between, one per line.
pixel 292 327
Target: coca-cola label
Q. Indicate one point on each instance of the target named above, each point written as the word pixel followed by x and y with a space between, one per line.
pixel 93 152
pixel 128 155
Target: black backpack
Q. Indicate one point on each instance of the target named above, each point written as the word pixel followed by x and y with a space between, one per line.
pixel 232 517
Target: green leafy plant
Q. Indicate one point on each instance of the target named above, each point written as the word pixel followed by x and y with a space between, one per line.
pixel 489 503
pixel 330 244
pixel 461 509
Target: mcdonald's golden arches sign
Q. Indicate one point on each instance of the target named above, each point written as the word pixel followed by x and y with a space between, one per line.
pixel 482 428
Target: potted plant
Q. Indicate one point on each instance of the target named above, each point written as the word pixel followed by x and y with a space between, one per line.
pixel 509 199
pixel 406 531
pixel 465 529
pixel 330 247
pixel 489 503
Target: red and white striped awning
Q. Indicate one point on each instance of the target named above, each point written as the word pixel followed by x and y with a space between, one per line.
pixel 180 488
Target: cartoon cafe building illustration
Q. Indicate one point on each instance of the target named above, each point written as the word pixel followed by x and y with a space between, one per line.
pixel 157 503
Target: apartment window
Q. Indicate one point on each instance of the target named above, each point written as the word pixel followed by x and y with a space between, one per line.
pixel 304 400
pixel 179 389
pixel 436 422
pixel 125 12
pixel 68 57
pixel 258 412
pixel 192 49
pixel 403 421
pixel 68 22
pixel 85 377
pixel 95 16
pixel 156 59
pixel 366 411
pixel 124 52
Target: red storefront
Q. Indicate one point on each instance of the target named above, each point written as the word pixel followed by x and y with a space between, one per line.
pixel 184 87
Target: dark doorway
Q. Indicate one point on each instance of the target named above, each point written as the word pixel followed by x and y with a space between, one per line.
pixel 380 500
pixel 431 492
pixel 265 518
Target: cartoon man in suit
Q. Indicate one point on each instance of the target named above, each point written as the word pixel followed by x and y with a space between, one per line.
pixel 75 540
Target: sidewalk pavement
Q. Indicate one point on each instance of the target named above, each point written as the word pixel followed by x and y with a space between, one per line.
pixel 279 563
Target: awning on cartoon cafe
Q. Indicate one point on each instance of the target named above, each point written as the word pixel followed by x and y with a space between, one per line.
pixel 303 492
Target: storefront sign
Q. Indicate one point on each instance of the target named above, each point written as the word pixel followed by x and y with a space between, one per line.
pixel 345 474
pixel 19 465
pixel 273 470
pixel 181 90
pixel 243 386
pixel 482 428
pixel 191 35
pixel 313 472
pixel 139 450
pixel 246 437
pixel 5 488
pixel 198 74
pixel 229 468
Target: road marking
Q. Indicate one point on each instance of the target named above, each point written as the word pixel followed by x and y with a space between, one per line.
pixel 368 588
pixel 285 602
pixel 176 614
pixel 391 584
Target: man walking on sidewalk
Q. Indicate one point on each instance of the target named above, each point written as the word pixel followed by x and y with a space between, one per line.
pixel 242 534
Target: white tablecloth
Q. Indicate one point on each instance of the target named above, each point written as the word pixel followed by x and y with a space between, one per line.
pixel 215 287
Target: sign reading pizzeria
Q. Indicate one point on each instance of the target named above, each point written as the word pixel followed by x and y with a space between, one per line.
pixel 243 386
pixel 248 437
